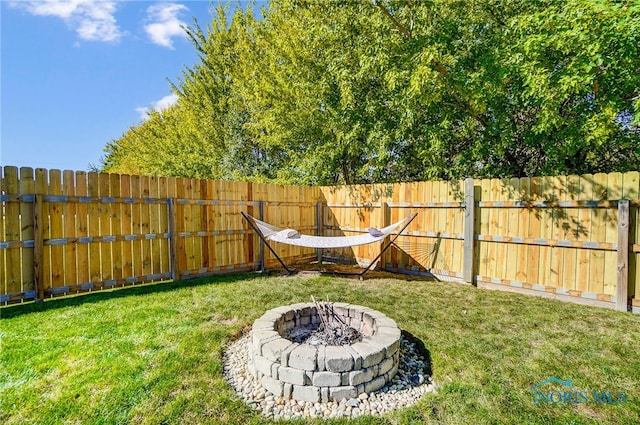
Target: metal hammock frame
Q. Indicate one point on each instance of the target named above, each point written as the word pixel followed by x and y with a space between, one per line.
pixel 268 232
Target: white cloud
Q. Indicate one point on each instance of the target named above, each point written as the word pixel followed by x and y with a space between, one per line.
pixel 92 20
pixel 164 23
pixel 158 105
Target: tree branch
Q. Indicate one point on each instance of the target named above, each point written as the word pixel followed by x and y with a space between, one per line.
pixel 402 28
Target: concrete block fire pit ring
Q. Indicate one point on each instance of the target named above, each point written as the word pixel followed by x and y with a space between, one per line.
pixel 322 373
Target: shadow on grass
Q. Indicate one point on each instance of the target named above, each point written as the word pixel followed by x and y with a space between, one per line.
pixel 16 310
pixel 422 349
pixel 348 270
pixel 10 311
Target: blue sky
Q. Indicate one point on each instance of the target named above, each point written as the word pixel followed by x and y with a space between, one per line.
pixel 76 74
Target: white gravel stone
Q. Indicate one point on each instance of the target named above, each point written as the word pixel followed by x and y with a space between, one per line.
pixel 406 388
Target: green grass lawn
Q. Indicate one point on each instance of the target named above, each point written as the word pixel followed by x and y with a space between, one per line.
pixel 153 354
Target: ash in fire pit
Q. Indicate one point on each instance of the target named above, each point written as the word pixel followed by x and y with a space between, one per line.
pixel 333 330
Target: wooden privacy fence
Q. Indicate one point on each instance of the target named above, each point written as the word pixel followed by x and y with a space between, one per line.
pixel 574 238
pixel 69 232
pixel 571 237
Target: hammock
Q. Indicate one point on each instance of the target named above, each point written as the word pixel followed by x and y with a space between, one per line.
pixel 269 232
pixel 292 237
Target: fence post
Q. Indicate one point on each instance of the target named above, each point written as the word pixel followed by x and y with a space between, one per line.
pixel 622 284
pixel 248 238
pixel 469 211
pixel 172 239
pixel 319 225
pixel 261 213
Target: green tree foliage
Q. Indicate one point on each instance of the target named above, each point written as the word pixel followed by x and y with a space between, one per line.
pixel 320 92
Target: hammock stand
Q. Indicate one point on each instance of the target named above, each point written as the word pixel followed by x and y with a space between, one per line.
pixel 268 232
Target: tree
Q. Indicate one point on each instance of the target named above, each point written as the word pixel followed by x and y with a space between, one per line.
pixel 397 90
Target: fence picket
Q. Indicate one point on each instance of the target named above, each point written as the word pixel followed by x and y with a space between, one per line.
pixel 56 252
pixel 501 224
pixel 598 233
pixel 584 233
pixel 126 215
pixel 27 185
pixel 69 228
pixel 485 223
pixel 494 228
pixel 145 227
pixel 115 216
pixel 513 223
pixel 196 222
pixel 163 223
pixel 615 191
pixel 106 258
pixel 570 232
pixel 181 226
pixel 136 227
pixel 533 255
pixel 82 228
pixel 523 228
pixel 42 270
pixel 13 276
pixel 546 220
pixel 3 264
pixel 95 271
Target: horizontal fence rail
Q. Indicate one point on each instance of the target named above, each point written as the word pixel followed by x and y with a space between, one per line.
pixel 567 237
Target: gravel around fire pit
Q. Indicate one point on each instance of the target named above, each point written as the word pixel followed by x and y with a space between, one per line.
pixel 406 388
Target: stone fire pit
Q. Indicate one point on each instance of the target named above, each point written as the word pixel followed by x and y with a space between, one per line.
pixel 322 373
